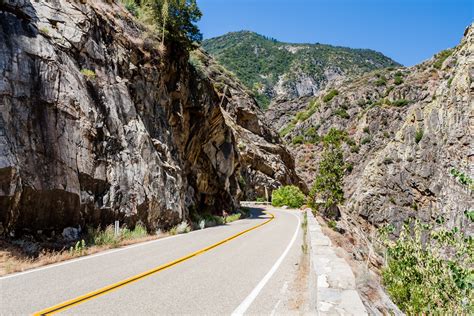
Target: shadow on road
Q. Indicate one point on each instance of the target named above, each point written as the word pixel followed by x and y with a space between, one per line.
pixel 257 213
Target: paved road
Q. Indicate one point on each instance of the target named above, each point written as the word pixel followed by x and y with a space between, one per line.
pixel 239 276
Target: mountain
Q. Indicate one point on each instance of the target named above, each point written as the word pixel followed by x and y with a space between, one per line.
pixel 407 150
pixel 97 125
pixel 408 140
pixel 273 69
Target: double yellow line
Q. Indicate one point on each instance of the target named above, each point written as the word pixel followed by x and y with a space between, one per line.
pixel 112 287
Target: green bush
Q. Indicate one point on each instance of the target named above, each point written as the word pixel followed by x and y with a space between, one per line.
pixel 138 232
pixel 418 135
pixel 89 74
pixel 304 115
pixel 331 94
pixel 334 137
pixel 232 218
pixel 382 81
pixel 289 195
pixel 366 140
pixel 441 57
pixel 131 6
pixel 398 80
pixel 297 140
pixel 104 237
pixel 311 135
pixel 342 113
pixel 430 270
pixel 400 102
pixel 287 129
pixel 355 149
pixel 463 178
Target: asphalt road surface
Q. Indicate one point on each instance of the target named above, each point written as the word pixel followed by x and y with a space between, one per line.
pixel 257 272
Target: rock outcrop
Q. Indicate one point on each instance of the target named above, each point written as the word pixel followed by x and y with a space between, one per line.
pixel 97 125
pixel 408 130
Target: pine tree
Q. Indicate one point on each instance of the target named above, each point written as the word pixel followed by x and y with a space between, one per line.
pixel 328 184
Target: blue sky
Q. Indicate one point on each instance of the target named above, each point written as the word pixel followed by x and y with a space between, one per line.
pixel 409 31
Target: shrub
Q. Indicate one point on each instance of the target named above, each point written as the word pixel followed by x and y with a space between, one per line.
pixel 232 218
pixel 441 57
pixel 382 81
pixel 366 130
pixel 311 135
pixel 297 140
pixel 79 248
pixel 104 237
pixel 332 224
pixel 331 94
pixel 304 115
pixel 450 81
pixel 355 149
pixel 366 140
pixel 418 135
pixel 287 129
pixel 131 6
pixel 89 74
pixel 430 270
pixel 463 178
pixel 289 195
pixel 260 199
pixel 400 102
pixel 342 113
pixel 350 141
pixel 138 232
pixel 181 228
pixel 334 137
pixel 398 80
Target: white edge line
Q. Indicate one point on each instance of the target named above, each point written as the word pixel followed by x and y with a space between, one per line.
pixel 242 308
pixel 102 253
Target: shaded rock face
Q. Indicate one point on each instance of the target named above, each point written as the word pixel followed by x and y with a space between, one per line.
pixel 266 164
pixel 407 129
pixel 96 126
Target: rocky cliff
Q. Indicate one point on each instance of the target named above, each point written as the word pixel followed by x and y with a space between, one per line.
pixel 409 142
pixel 97 124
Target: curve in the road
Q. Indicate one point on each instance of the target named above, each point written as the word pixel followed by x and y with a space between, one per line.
pixel 91 295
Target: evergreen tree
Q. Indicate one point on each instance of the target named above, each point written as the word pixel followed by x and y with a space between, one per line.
pixel 178 19
pixel 328 183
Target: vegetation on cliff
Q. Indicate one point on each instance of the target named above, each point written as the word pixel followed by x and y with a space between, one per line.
pixel 430 269
pixel 174 20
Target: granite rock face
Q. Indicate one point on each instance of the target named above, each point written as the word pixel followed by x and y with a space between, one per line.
pixel 97 125
pixel 407 128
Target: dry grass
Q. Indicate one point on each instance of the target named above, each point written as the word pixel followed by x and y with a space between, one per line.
pixel 12 259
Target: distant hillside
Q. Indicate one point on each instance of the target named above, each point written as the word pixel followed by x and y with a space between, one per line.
pixel 275 69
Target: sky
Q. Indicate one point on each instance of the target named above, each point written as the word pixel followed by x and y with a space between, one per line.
pixel 408 31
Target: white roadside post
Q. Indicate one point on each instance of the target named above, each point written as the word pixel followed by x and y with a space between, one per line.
pixel 117 228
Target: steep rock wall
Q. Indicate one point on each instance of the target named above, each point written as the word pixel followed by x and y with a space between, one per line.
pixel 96 125
pixel 407 129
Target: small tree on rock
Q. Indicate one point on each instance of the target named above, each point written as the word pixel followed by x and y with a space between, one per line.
pixel 328 183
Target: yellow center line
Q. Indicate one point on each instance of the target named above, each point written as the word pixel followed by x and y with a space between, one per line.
pixel 112 287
